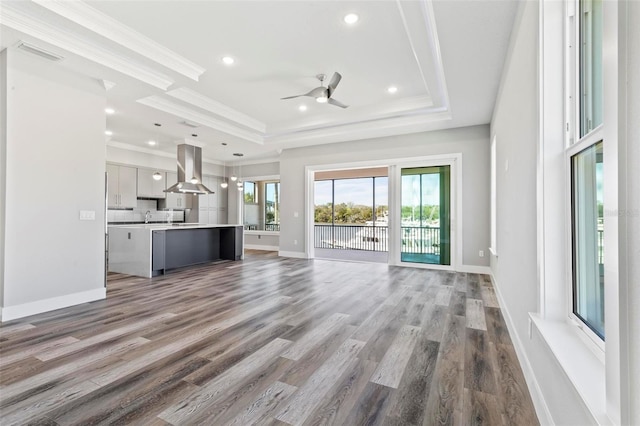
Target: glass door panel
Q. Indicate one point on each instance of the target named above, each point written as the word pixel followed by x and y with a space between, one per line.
pixel 425 215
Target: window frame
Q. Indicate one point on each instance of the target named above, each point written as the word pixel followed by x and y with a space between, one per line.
pixel 594 341
pixel 574 144
pixel 259 194
pixel 277 207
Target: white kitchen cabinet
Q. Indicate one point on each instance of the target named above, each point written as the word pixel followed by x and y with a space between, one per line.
pixel 176 200
pixel 221 201
pixel 148 187
pixel 208 204
pixel 122 186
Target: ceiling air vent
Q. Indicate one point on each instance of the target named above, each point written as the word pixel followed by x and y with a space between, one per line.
pixel 189 124
pixel 27 47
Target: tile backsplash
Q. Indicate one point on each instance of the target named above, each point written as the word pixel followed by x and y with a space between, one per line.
pixel 138 214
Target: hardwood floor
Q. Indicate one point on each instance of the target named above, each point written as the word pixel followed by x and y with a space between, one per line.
pixel 270 340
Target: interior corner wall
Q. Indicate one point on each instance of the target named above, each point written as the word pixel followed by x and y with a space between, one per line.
pixel 55 167
pixel 515 126
pixel 472 142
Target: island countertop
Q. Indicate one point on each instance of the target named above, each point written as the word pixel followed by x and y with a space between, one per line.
pixel 169 226
pixel 151 249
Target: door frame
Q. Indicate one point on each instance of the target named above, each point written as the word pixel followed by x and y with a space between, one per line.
pixel 454 160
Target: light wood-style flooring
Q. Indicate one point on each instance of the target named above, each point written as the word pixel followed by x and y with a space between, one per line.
pixel 270 340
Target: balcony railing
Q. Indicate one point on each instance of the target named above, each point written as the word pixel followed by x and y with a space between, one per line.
pixel 421 239
pixel 415 239
pixel 351 237
pixel 267 227
pixel 600 246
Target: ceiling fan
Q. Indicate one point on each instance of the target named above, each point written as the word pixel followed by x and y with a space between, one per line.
pixel 323 94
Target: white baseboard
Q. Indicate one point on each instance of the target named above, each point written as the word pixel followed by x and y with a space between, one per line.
pixel 9 313
pixel 296 254
pixel 261 247
pixel 474 269
pixel 539 403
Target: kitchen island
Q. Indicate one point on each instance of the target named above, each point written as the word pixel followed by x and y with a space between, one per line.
pixel 148 250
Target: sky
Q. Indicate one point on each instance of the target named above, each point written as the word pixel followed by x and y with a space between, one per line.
pixel 360 191
pixel 357 191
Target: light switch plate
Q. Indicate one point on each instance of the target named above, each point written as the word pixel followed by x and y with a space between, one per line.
pixel 87 215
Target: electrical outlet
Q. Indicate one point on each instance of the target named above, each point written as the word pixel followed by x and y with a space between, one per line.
pixel 481 253
pixel 87 215
pixel 295 242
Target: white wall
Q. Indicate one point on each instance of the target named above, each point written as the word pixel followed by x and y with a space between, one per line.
pixel 259 170
pixel 631 261
pixel 472 142
pixel 55 163
pixel 3 163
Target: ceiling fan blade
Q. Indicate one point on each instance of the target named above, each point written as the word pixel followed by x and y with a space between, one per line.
pixel 294 96
pixel 334 82
pixel 337 103
pixel 305 94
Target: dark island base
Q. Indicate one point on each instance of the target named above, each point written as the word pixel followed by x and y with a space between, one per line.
pixel 177 248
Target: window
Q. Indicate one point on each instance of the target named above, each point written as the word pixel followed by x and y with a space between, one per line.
pixel 352 214
pixel 249 192
pixel 587 218
pixel 425 215
pixel 585 157
pixel 272 206
pixel 590 60
pixel 261 205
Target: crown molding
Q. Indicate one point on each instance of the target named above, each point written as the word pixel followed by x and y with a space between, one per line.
pixel 420 26
pixel 129 147
pixel 196 99
pixel 104 25
pixel 189 114
pixel 417 122
pixel 391 109
pixel 19 19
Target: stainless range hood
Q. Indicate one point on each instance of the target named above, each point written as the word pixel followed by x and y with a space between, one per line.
pixel 189 167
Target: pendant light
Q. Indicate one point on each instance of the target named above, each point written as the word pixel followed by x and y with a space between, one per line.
pixel 157 176
pixel 234 177
pixel 224 182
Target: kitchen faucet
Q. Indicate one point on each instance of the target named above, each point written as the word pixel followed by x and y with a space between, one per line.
pixel 147 215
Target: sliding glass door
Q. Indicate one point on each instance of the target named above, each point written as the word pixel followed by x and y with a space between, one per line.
pixel 425 216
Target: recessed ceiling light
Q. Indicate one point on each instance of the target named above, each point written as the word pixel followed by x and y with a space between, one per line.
pixel 302 107
pixel 392 89
pixel 152 143
pixel 109 111
pixel 228 60
pixel 351 18
pixel 108 132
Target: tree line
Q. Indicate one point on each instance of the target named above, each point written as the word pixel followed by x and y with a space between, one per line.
pixel 347 213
